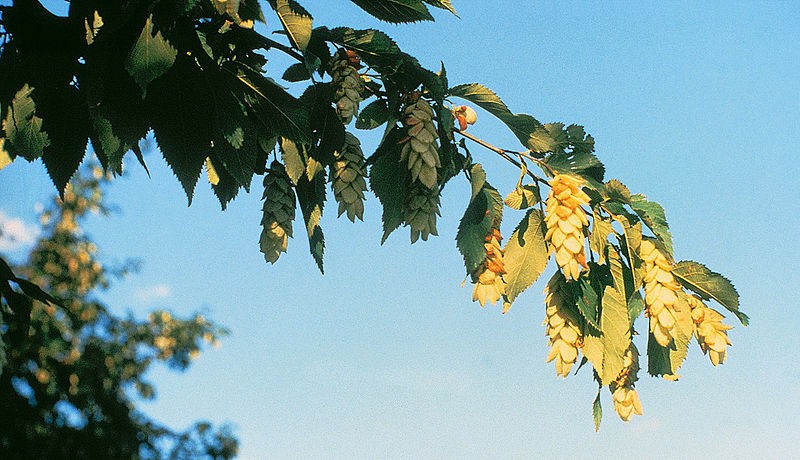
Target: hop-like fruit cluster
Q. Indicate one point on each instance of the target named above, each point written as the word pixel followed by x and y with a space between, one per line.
pixel 561 327
pixel 348 178
pixel 661 294
pixel 279 209
pixel 420 208
pixel 626 400
pixel 566 221
pixel 420 150
pixel 488 277
pixel 710 331
pixel 347 84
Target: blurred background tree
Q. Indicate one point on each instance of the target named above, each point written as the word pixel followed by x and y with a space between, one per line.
pixel 72 374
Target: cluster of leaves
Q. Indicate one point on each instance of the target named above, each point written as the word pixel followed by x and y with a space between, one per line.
pixel 194 73
pixel 70 367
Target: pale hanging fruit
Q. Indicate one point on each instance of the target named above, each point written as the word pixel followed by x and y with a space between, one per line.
pixel 347 84
pixel 661 294
pixel 566 221
pixel 347 178
pixel 488 277
pixel 420 208
pixel 711 333
pixel 626 402
pixel 420 152
pixel 561 326
pixel 279 211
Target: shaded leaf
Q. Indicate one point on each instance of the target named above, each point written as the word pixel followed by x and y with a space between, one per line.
pixel 443 4
pixel 522 125
pixel 67 118
pixel 373 115
pixel 709 285
pixel 652 214
pixel 477 180
pixel 597 411
pixel 598 238
pixel 150 57
pixel 23 129
pixel 583 164
pixel 387 180
pixel 525 255
pixel 182 120
pixel 311 196
pixel 616 191
pixel 396 11
pixel 296 72
pixel 296 21
pixel 482 214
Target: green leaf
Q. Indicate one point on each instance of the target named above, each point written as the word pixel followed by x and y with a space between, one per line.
pixel 598 239
pixel 387 180
pixel 296 72
pixel 635 306
pixel 632 242
pixel 477 180
pixel 292 157
pixel 616 191
pixel 396 11
pixel 593 348
pixel 23 128
pixel 579 141
pixel 67 119
pixel 296 21
pixel 226 187
pixel 443 4
pixel 667 360
pixel 597 411
pixel 277 111
pixel 182 120
pixel 582 164
pixel 373 115
pixel 709 285
pixel 588 301
pixel 652 214
pixel 525 255
pixel 614 322
pixel 522 125
pixel 550 138
pixel 150 57
pixel 5 158
pixel 311 196
pixel 482 215
pixel 523 197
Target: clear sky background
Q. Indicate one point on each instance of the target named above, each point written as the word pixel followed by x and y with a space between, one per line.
pixel 695 104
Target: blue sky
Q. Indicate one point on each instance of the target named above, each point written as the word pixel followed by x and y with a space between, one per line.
pixel 696 106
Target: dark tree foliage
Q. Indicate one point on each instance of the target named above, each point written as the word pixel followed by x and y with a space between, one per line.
pixel 72 369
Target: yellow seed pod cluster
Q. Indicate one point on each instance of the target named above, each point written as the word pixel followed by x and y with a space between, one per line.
pixel 561 327
pixel 420 151
pixel 347 84
pixel 420 208
pixel 347 178
pixel 279 210
pixel 661 293
pixel 710 331
pixel 626 399
pixel 566 221
pixel 488 277
pixel 626 402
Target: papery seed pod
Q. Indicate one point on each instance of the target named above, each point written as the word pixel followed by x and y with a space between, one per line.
pixel 347 178
pixel 347 84
pixel 566 221
pixel 420 152
pixel 709 330
pixel 465 116
pixel 488 277
pixel 420 208
pixel 626 402
pixel 279 210
pixel 661 293
pixel 561 327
